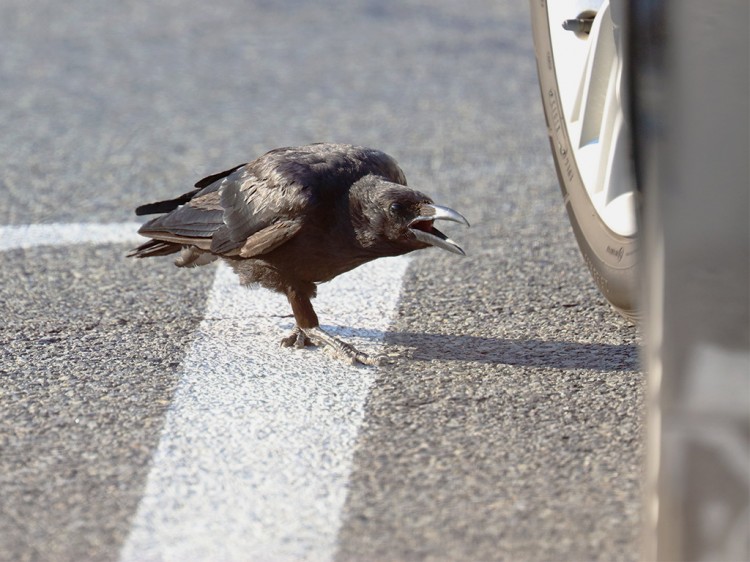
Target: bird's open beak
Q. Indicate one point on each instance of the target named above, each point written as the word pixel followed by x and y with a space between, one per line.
pixel 423 230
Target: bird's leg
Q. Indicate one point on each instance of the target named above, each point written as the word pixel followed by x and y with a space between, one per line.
pixel 304 316
pixel 308 332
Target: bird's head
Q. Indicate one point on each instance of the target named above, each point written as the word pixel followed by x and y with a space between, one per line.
pixel 394 218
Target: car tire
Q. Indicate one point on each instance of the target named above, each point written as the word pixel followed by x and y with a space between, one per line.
pixel 611 258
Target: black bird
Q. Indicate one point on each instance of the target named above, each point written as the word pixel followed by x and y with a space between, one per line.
pixel 296 217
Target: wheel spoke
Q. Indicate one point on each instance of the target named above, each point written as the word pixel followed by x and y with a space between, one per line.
pixel 589 73
pixel 597 78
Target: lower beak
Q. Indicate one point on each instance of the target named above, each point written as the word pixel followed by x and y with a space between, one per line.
pixel 424 231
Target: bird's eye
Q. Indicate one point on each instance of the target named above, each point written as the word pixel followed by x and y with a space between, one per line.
pixel 396 208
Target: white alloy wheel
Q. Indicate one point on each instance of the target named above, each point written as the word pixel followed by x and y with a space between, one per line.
pixel 588 65
pixel 578 50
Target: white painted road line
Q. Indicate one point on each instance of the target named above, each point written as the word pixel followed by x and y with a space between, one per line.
pixel 257 447
pixel 66 234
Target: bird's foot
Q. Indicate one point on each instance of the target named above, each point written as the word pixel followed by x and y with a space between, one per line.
pixel 296 339
pixel 299 338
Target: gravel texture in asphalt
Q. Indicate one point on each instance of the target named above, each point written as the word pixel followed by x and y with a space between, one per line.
pixel 507 425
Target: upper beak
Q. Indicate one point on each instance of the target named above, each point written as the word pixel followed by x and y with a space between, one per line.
pixel 423 230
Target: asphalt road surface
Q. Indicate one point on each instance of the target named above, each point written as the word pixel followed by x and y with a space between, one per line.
pixel 147 413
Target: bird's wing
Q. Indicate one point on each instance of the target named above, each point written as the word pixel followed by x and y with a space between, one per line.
pixel 261 209
pixel 253 208
pixel 279 190
pixel 250 209
pixel 194 222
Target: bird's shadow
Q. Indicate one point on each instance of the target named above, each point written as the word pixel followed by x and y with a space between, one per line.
pixel 503 351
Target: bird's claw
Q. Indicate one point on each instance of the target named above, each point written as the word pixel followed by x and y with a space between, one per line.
pixel 296 339
pixel 300 338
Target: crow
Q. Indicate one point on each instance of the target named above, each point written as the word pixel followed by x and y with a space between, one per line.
pixel 296 217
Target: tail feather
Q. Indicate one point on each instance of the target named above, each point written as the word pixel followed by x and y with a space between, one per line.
pixel 155 248
pixel 208 180
pixel 165 206
pixel 188 226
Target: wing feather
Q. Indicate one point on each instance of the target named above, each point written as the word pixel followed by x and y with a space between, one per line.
pixel 253 208
pixel 213 178
pixel 270 238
